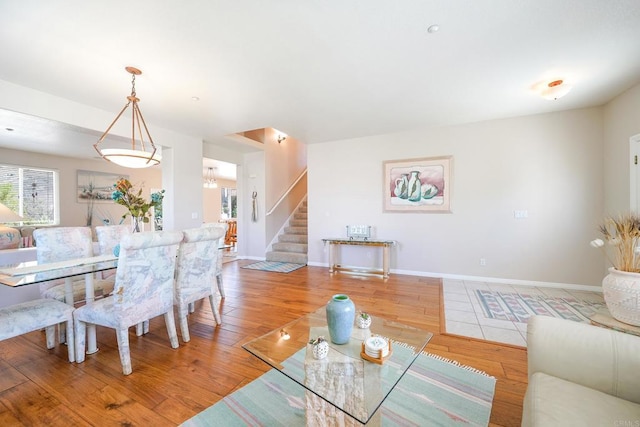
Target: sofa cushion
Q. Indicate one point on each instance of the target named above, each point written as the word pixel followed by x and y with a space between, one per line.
pixel 551 401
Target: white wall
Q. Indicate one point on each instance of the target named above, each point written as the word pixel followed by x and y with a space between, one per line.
pixel 251 177
pixel 550 165
pixel 622 121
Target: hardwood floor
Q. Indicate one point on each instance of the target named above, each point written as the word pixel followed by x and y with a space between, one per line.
pixel 168 386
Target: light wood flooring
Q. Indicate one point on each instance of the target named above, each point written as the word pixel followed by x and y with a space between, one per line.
pixel 168 386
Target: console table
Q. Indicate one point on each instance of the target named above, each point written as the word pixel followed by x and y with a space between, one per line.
pixel 384 244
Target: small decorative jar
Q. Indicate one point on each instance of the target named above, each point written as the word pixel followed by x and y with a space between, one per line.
pixel 363 320
pixel 320 348
pixel 340 316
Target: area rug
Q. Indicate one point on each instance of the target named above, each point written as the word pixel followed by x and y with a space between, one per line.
pixel 278 267
pixel 518 307
pixel 434 392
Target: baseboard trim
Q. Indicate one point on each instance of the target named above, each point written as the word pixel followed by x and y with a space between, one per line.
pixel 518 282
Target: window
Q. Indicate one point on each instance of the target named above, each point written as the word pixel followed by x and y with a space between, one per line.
pixel 229 203
pixel 31 193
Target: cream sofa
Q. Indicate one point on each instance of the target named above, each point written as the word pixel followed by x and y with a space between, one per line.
pixel 581 375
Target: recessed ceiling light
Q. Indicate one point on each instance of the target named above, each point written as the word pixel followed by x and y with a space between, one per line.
pixel 433 28
pixel 9 129
pixel 195 98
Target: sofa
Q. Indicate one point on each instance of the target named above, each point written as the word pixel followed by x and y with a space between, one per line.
pixel 581 375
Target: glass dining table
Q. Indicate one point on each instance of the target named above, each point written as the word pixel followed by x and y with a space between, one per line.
pixel 31 273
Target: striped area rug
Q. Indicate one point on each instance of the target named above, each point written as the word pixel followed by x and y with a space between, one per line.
pixel 278 267
pixel 434 392
pixel 517 307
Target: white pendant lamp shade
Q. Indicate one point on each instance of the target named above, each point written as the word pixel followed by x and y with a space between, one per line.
pixel 134 159
pixel 139 156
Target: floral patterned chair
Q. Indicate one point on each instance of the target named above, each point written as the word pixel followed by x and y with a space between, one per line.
pixel 62 244
pixel 143 290
pixel 109 236
pixel 223 226
pixel 196 271
pixel 19 319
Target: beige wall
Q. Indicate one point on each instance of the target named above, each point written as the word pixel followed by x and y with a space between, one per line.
pixel 72 212
pixel 213 201
pixel 549 165
pixel 622 121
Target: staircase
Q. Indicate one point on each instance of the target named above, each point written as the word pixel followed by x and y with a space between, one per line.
pixel 292 244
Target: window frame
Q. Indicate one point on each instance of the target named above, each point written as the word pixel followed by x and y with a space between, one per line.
pixel 55 177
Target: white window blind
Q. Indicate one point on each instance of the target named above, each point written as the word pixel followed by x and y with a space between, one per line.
pixel 30 192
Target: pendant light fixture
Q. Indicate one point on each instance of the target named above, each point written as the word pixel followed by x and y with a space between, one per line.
pixel 135 157
pixel 210 179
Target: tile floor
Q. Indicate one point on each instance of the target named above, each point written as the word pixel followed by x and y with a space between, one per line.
pixel 464 315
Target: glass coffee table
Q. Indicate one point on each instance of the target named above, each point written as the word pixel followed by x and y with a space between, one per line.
pixel 343 383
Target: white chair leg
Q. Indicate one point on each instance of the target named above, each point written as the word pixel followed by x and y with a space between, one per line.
pixel 123 348
pixel 81 339
pixel 71 342
pixel 183 311
pixel 220 284
pixel 50 332
pixel 214 308
pixel 142 328
pixel 170 321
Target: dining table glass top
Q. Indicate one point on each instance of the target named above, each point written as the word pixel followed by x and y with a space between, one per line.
pixel 29 273
pixel 355 384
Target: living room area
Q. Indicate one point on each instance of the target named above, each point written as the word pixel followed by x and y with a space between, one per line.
pixel 351 89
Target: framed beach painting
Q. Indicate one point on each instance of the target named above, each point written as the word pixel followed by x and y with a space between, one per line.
pixel 418 185
pixel 96 186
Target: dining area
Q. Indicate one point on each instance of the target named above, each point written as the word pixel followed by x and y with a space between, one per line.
pixel 118 284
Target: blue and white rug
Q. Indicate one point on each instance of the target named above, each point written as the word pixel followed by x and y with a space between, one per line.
pixel 518 307
pixel 278 267
pixel 434 392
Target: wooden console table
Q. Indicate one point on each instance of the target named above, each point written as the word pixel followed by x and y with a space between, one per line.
pixel 384 244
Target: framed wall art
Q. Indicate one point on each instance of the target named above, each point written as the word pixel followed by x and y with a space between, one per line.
pixel 96 186
pixel 418 185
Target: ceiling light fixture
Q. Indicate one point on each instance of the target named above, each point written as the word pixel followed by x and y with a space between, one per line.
pixel 133 158
pixel 555 89
pixel 210 179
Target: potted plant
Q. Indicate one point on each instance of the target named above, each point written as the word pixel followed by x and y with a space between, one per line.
pixel 320 347
pixel 363 320
pixel 621 287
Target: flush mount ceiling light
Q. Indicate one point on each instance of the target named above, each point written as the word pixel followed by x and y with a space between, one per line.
pixel 554 89
pixel 134 157
pixel 210 179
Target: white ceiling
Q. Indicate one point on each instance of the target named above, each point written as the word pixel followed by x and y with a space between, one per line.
pixel 316 70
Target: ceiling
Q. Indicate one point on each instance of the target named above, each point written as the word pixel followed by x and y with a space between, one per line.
pixel 317 70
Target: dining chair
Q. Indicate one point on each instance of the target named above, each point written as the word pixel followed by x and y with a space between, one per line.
pixel 143 289
pixel 224 227
pixel 195 273
pixel 56 244
pixel 34 315
pixel 109 236
pixel 231 238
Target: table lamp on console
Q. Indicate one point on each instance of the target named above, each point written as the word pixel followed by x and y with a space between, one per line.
pixel 9 237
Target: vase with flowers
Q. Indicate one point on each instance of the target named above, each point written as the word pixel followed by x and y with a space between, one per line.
pixel 140 210
pixel 621 287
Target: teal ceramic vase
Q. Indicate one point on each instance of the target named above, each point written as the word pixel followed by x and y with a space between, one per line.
pixel 341 313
